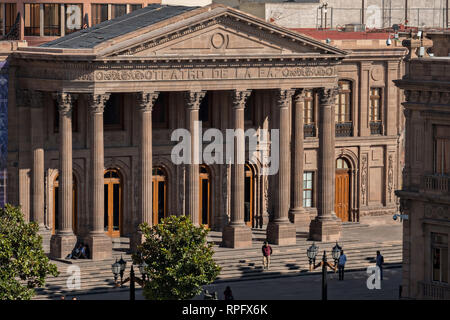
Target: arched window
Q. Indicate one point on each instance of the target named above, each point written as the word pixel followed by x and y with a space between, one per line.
pixel 248 196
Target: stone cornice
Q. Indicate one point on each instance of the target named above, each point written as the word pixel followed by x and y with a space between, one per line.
pixel 427 97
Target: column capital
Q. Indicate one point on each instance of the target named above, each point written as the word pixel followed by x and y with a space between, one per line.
pixel 146 100
pixel 299 95
pixel 240 97
pixel 328 95
pixel 284 96
pixel 35 98
pixel 65 102
pixel 194 98
pixel 97 102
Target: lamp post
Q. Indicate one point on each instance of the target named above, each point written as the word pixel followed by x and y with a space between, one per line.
pixel 118 268
pixel 312 253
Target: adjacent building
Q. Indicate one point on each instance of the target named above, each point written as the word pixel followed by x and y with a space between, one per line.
pixel 425 196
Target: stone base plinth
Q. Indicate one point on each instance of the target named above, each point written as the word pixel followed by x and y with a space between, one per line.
pixel 237 237
pixel 100 246
pixel 46 238
pixel 136 239
pixel 282 234
pixel 328 229
pixel 300 218
pixel 61 245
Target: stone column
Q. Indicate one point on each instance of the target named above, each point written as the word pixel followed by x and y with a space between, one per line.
pixel 37 149
pixel 326 226
pixel 99 244
pixel 297 213
pixel 237 234
pixel 193 100
pixel 64 240
pixel 145 102
pixel 280 230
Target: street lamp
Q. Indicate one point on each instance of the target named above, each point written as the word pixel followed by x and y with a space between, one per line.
pixel 336 252
pixel 142 269
pixel 312 253
pixel 118 267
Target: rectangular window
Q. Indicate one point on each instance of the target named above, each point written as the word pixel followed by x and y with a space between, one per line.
pixel 134 7
pixel 343 102
pixel 52 19
pixel 113 114
pixel 99 13
pixel 74 17
pixel 308 188
pixel 375 105
pixel 249 110
pixel 10 16
pixel 439 252
pixel 204 113
pixel 32 19
pixel 308 111
pixel 442 150
pixel 118 10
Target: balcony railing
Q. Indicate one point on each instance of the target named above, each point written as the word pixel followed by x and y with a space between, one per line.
pixel 344 129
pixel 309 130
pixel 376 127
pixel 435 291
pixel 436 182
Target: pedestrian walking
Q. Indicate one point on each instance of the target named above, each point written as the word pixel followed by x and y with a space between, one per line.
pixel 266 251
pixel 380 262
pixel 228 294
pixel 341 264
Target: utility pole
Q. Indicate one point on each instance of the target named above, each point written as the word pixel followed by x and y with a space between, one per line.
pixel 362 12
pixel 406 13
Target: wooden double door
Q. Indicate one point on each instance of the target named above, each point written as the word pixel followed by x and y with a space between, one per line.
pixel 342 190
pixel 113 206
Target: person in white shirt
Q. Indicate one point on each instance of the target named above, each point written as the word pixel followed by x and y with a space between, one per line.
pixel 341 264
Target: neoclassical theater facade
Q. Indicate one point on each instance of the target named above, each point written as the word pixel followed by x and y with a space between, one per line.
pixel 91 117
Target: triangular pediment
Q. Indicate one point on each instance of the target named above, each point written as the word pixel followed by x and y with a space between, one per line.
pixel 220 31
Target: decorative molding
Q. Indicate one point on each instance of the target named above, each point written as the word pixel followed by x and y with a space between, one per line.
pixel 35 98
pixel 146 100
pixel 364 175
pixel 284 97
pixel 97 102
pixel 390 176
pixel 299 95
pixel 427 97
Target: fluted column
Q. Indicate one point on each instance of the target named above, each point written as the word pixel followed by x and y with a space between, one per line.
pixel 193 100
pixel 37 147
pixel 326 226
pixel 280 230
pixel 99 244
pixel 145 102
pixel 298 216
pixel 64 240
pixel 237 234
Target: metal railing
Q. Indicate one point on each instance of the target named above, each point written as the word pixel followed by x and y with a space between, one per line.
pixel 309 130
pixel 436 182
pixel 344 129
pixel 376 127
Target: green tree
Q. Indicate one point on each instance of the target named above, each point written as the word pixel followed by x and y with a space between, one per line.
pixel 23 263
pixel 178 257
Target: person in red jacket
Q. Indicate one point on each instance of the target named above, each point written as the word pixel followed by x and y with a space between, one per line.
pixel 266 251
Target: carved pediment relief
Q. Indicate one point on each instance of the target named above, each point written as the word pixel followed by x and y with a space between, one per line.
pixel 218 41
pixel 223 35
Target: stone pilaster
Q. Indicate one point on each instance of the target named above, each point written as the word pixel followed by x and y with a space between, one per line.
pixel 280 230
pixel 193 100
pixel 145 102
pixel 297 213
pixel 64 240
pixel 326 226
pixel 99 244
pixel 237 234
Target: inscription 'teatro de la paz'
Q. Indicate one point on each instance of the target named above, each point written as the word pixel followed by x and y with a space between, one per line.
pixel 215 73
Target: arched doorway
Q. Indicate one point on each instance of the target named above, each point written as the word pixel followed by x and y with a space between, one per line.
pixel 204 216
pixel 248 196
pixel 56 205
pixel 342 190
pixel 113 202
pixel 159 190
